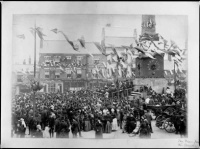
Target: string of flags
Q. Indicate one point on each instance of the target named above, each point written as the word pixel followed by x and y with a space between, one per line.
pixel 119 64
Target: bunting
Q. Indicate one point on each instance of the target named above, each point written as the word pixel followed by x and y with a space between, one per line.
pixel 66 37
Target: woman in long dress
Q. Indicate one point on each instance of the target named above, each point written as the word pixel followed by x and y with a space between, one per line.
pixel 46 133
pixel 114 124
pixel 108 128
pixel 98 130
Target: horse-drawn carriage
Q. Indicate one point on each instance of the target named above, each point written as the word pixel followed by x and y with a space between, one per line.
pixel 168 116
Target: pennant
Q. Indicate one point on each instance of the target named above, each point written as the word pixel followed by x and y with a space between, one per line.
pixel 65 36
pixel 55 30
pixel 21 36
pixel 82 41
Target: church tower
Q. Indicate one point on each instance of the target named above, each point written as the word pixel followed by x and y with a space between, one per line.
pixel 148 24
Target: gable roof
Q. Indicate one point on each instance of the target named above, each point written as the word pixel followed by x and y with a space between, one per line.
pixel 62 46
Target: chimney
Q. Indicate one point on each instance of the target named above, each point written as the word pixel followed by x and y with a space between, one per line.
pixel 135 33
pixel 103 38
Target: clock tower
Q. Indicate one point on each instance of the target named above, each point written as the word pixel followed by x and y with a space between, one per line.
pixel 147 67
pixel 148 24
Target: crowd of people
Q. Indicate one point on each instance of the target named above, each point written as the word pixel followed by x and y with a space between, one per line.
pixel 86 110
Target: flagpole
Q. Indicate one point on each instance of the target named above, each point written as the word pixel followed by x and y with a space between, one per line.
pixel 34 70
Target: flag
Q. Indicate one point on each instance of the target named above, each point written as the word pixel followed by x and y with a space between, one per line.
pixel 69 41
pixel 21 36
pixel 55 30
pixel 82 41
pixel 146 36
pixel 40 34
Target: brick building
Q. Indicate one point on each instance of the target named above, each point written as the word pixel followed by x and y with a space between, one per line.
pixel 62 78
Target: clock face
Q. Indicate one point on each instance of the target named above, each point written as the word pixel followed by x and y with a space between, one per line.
pixel 153 65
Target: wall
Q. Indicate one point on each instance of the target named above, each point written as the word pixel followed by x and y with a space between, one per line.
pixel 156 84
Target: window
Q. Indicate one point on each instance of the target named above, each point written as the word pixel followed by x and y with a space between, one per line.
pixel 57 60
pixel 51 87
pixel 68 71
pixel 96 60
pixel 79 73
pixel 19 78
pixel 79 60
pixel 46 73
pixel 57 74
pixel 47 60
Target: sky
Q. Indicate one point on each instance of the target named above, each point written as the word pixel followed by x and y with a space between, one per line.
pixel 171 27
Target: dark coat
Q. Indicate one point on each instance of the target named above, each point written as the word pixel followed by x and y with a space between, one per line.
pixel 74 127
pixel 99 130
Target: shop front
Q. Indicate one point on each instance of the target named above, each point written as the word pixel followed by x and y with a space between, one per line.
pixel 74 85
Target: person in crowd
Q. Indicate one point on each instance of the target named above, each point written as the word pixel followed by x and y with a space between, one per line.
pixel 64 129
pixel 92 106
pixel 58 126
pixel 124 123
pixel 74 128
pixel 151 101
pixel 46 133
pixel 98 129
pixel 144 131
pixel 149 118
pixel 131 123
pixel 39 133
pixel 52 118
pixel 21 128
pixel 108 118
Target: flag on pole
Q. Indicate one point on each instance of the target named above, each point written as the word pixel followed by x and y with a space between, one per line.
pixel 21 36
pixel 40 34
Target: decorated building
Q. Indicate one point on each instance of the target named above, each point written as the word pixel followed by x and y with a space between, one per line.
pixel 119 38
pixel 157 73
pixel 63 68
